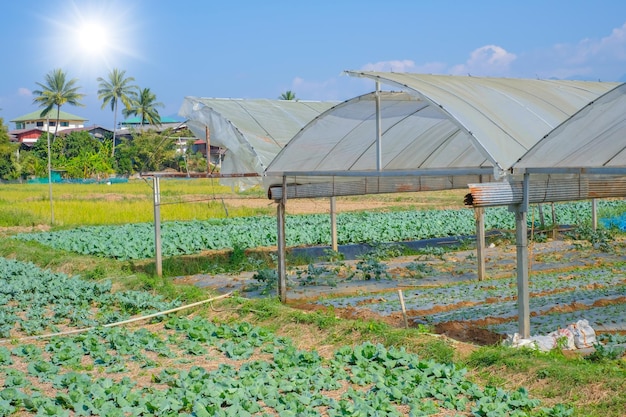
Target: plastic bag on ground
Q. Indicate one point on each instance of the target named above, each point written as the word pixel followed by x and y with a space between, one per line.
pixel 584 335
pixel 564 338
pixel 542 343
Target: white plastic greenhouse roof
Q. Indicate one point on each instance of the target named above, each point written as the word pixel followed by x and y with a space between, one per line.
pixel 448 124
pixel 594 138
pixel 252 130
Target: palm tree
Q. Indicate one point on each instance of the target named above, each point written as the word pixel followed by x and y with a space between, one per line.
pixel 144 104
pixel 55 92
pixel 115 89
pixel 287 95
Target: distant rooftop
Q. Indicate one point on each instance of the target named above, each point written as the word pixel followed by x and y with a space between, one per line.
pixel 137 120
pixel 36 115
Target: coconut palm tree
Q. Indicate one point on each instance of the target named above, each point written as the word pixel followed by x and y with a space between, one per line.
pixel 117 88
pixel 144 104
pixel 287 95
pixel 55 92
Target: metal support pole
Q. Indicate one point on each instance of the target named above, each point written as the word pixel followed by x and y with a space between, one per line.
pixel 49 171
pixel 333 223
pixel 282 269
pixel 554 225
pixel 379 146
pixel 521 238
pixel 208 149
pixel 523 304
pixel 158 260
pixel 594 214
pixel 479 215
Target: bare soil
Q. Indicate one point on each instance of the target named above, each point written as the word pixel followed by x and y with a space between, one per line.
pixel 554 255
pixel 322 206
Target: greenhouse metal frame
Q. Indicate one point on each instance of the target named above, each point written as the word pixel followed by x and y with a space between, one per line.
pixel 525 139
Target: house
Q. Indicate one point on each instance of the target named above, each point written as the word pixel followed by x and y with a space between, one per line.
pixel 136 122
pixel 34 120
pixel 133 125
pixel 26 137
pixel 216 153
pixel 96 131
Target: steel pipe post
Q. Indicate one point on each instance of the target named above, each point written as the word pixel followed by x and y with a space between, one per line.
pixel 156 191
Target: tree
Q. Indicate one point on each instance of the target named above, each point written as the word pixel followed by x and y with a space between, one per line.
pixel 287 95
pixel 70 146
pixel 79 154
pixel 117 88
pixel 9 169
pixel 144 104
pixel 55 92
pixel 147 151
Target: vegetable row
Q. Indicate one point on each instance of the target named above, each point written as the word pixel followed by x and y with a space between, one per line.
pixel 136 241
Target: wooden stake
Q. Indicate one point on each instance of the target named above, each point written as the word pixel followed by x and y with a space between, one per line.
pixel 406 321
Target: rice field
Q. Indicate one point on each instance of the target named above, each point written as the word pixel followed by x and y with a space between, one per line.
pixel 120 203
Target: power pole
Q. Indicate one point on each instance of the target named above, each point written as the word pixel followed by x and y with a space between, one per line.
pixel 49 171
pixel 208 149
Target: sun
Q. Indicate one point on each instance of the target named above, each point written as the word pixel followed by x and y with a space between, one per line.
pixel 92 38
pixel 93 35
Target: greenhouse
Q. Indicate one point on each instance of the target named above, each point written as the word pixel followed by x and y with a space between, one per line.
pixel 441 126
pixel 443 132
pixel 252 131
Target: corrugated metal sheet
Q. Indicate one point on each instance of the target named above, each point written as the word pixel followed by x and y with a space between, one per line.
pixel 551 189
pixel 325 186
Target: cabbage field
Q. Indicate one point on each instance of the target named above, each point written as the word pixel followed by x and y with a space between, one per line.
pixel 62 353
pixel 190 366
pixel 458 293
pixel 136 241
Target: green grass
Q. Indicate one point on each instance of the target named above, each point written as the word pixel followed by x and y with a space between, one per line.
pixel 120 203
pixel 570 380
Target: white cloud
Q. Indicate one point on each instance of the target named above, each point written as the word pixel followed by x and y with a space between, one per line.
pixel 594 59
pixel 337 88
pixel 488 60
pixel 608 48
pixel 24 92
pixel 405 65
pixel 314 90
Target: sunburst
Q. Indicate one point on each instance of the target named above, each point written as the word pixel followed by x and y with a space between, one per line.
pixel 93 34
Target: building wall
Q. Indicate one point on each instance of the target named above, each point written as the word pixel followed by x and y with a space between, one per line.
pixel 29 138
pixel 41 124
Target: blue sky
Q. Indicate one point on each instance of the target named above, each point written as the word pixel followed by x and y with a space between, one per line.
pixel 259 49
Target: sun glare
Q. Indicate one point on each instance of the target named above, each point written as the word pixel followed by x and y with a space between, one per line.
pixel 92 38
pixel 93 35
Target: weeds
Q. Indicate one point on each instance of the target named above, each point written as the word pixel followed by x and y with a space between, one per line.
pixel 600 239
pixel 387 251
pixel 419 270
pixel 432 251
pixel 605 353
pixel 318 275
pixel 333 256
